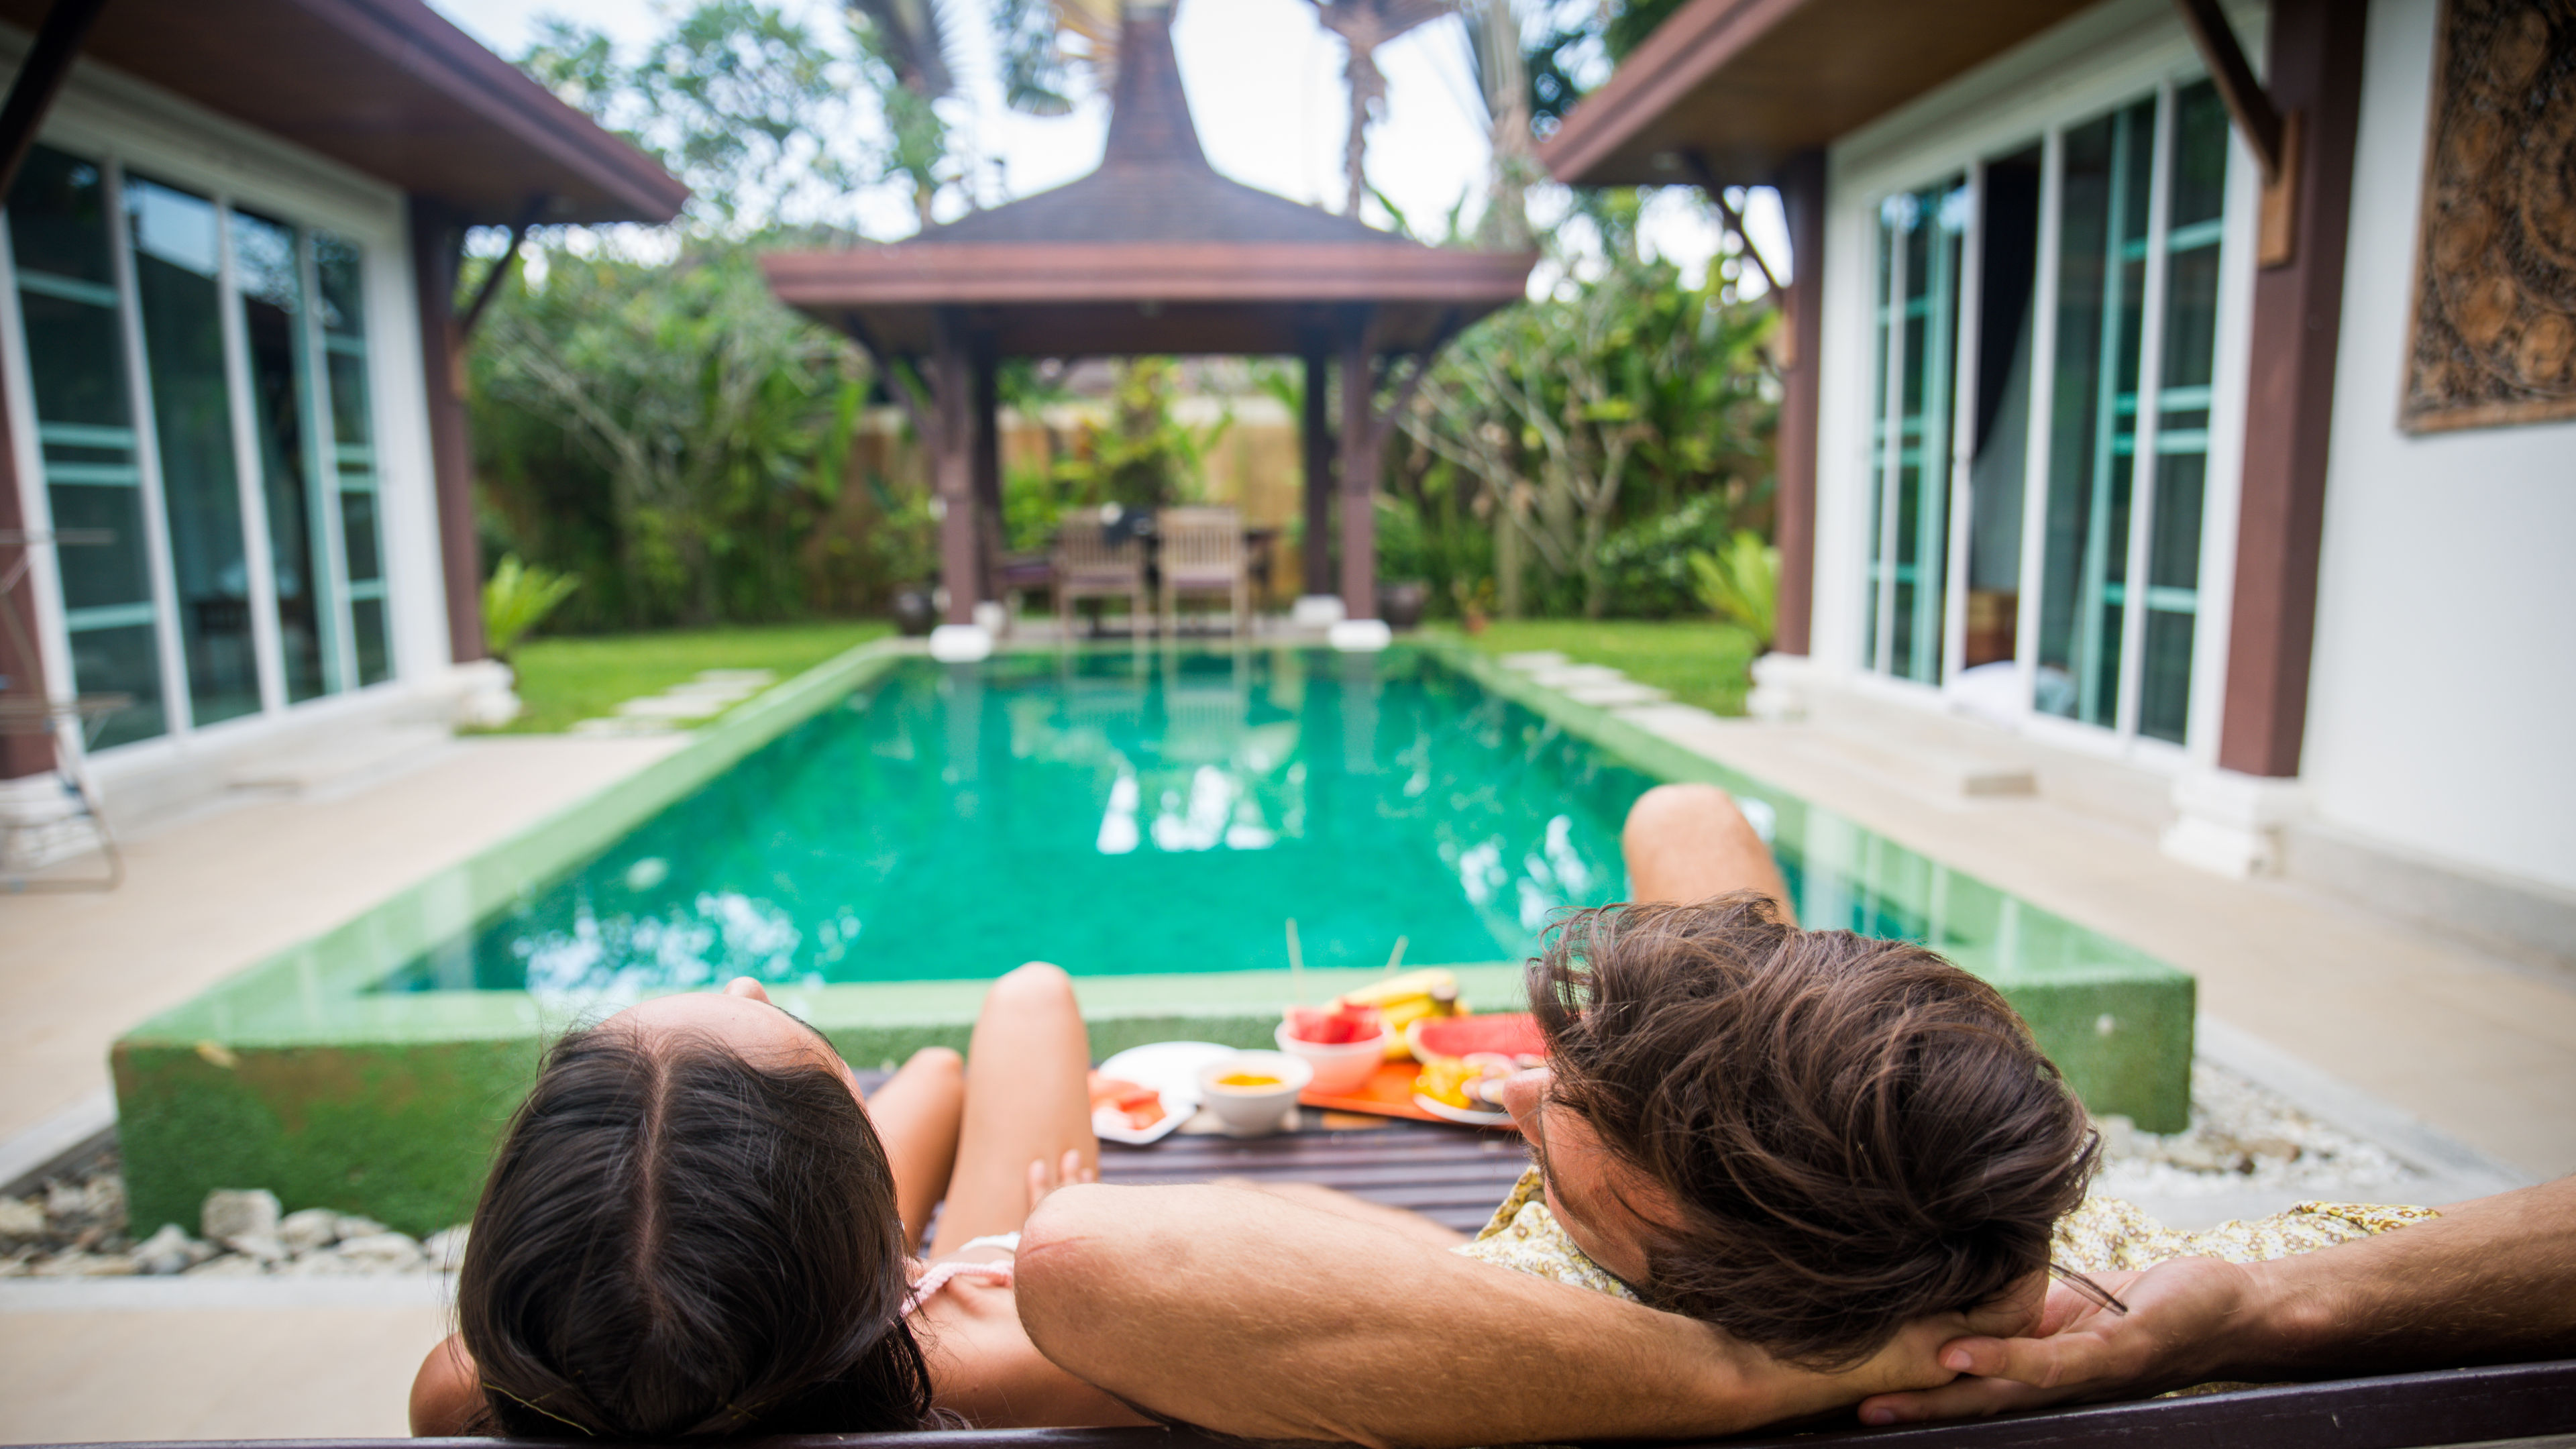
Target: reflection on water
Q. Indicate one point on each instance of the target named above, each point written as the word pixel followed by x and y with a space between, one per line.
pixel 1114 813
pixel 1166 812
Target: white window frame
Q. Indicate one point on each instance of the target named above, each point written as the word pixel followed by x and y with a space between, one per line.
pixel 123 124
pixel 2108 57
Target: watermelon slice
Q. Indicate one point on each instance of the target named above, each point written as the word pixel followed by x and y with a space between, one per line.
pixel 1513 1034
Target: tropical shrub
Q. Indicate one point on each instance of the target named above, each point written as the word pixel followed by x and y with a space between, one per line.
pixel 518 598
pixel 716 423
pixel 1619 397
pixel 1645 566
pixel 1740 582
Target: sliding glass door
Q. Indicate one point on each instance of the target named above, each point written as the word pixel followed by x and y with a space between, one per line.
pixel 2045 321
pixel 244 567
pixel 1921 236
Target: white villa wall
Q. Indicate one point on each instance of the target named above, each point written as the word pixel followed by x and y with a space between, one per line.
pixel 2442 707
pixel 102 110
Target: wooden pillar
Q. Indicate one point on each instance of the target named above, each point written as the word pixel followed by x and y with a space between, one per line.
pixel 952 463
pixel 1802 198
pixel 437 247
pixel 1316 557
pixel 2315 71
pixel 1359 467
pixel 992 529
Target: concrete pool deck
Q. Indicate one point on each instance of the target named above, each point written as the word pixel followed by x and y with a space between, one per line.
pixel 206 895
pixel 2481 1049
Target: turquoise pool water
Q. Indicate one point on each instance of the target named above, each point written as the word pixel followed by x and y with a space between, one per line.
pixel 1116 813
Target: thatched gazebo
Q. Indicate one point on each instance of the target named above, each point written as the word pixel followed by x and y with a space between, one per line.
pixel 1154 252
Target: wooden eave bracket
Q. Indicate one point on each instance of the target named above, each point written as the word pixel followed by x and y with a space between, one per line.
pixel 502 266
pixel 2272 136
pixel 1785 348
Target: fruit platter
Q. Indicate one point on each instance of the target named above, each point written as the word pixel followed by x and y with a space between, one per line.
pixel 1409 1047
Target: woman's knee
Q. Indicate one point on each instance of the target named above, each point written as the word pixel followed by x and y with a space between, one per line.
pixel 1036 986
pixel 936 1061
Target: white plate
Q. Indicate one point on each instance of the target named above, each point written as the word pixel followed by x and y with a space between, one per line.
pixel 1447 1113
pixel 1171 1068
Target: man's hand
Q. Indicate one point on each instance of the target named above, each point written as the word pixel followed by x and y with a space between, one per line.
pixel 2173 1334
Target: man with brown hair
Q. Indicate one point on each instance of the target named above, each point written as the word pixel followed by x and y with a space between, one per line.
pixel 1832 1154
pixel 1806 1138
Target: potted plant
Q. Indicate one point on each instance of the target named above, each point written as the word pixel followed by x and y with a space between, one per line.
pixel 1400 603
pixel 914 610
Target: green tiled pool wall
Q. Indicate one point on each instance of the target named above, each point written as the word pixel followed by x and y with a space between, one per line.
pixel 296 1076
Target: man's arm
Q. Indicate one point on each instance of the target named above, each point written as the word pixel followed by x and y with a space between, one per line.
pixel 1247 1314
pixel 2489 1281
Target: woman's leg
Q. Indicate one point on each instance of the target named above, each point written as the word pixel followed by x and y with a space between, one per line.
pixel 1688 842
pixel 1028 1100
pixel 918 1114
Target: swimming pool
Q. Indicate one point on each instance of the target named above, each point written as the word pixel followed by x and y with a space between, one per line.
pixel 882 835
pixel 1115 813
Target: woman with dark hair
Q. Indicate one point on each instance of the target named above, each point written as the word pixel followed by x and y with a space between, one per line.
pixel 694 1226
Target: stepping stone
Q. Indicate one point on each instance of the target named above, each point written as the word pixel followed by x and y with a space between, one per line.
pixel 671 707
pixel 1568 676
pixel 750 678
pixel 711 689
pixel 1533 659
pixel 622 727
pixel 1612 693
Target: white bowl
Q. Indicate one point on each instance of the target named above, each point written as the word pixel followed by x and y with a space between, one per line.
pixel 1254 1111
pixel 1340 1069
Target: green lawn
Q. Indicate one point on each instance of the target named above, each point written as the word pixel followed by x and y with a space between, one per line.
pixel 563 680
pixel 1697 661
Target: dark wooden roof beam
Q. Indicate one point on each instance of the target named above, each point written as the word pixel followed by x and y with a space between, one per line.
pixel 40 79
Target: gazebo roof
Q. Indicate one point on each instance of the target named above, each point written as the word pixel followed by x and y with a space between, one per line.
pixel 1153 252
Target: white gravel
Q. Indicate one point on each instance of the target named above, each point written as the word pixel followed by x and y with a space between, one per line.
pixel 2243 1137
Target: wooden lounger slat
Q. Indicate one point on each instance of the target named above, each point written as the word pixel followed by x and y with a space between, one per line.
pixel 2401 1411
pixel 2406 1411
pixel 1452 1175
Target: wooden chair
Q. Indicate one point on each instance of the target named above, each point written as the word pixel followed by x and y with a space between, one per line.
pixel 1203 553
pixel 1088 566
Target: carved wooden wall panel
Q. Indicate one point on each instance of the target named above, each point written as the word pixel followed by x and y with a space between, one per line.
pixel 2495 288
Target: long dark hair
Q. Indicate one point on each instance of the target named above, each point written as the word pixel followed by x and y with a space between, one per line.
pixel 1855 1132
pixel 675 1241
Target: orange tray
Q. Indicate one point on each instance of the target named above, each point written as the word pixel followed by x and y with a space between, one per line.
pixel 1387 1093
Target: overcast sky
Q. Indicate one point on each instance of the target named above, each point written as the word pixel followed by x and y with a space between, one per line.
pixel 1265 85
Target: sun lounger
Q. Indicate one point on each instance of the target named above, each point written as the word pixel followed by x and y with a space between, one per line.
pixel 2533 1405
pixel 1457 1174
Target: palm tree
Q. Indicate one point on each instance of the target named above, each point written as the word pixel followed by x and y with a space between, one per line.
pixel 1502 79
pixel 1037 64
pixel 906 42
pixel 1364 25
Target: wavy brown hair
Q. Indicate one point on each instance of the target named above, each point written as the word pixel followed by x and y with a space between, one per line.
pixel 1856 1132
pixel 675 1241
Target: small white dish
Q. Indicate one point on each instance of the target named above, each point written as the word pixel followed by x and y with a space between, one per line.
pixel 1254 1111
pixel 1447 1113
pixel 1171 1068
pixel 1341 1068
